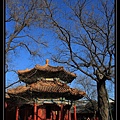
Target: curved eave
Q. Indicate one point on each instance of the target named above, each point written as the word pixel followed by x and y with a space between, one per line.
pixel 42 88
pixel 46 71
pixel 17 90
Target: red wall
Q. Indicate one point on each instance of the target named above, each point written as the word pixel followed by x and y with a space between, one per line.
pixel 26 110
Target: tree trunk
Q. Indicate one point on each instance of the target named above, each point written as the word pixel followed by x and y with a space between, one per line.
pixel 103 110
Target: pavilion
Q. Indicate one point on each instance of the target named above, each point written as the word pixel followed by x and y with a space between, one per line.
pixel 45 96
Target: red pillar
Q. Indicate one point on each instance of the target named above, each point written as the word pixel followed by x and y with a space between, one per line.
pixel 75 117
pixel 59 113
pixel 69 115
pixel 62 112
pixel 17 113
pixel 35 111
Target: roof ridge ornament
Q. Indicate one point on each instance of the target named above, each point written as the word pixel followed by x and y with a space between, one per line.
pixel 47 61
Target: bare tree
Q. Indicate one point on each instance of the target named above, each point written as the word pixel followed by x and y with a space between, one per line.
pixel 86 33
pixel 22 18
pixel 23 35
pixel 88 85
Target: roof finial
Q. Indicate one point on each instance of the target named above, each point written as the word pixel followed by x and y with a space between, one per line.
pixel 47 61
